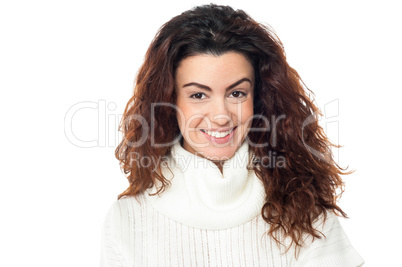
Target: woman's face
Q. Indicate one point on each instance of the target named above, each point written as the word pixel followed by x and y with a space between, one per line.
pixel 214 103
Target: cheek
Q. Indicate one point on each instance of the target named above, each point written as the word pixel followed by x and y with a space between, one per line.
pixel 246 112
pixel 188 117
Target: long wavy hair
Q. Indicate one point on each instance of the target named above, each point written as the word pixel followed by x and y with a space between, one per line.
pixel 298 192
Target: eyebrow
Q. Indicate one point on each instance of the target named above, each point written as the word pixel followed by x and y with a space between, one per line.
pixel 209 89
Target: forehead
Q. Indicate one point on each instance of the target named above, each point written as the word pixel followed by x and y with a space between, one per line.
pixel 214 70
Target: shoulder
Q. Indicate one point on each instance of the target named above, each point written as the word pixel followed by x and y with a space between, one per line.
pixel 123 210
pixel 332 249
pixel 128 203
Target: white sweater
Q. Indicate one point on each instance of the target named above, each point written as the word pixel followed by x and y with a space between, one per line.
pixel 206 218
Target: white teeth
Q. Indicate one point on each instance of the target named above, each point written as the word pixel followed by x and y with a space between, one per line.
pixel 218 134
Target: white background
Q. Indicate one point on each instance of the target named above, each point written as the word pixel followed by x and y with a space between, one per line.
pixel 56 55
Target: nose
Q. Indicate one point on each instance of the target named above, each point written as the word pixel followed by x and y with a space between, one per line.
pixel 220 113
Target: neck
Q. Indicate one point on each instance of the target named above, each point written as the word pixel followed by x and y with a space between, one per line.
pixel 206 194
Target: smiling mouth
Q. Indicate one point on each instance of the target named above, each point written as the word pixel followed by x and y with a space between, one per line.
pixel 217 134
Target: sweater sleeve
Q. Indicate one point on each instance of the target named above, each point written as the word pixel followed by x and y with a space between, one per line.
pixel 333 250
pixel 111 252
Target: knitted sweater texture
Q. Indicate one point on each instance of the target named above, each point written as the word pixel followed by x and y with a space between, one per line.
pixel 209 218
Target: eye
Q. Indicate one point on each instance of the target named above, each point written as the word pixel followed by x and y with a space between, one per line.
pixel 197 96
pixel 238 94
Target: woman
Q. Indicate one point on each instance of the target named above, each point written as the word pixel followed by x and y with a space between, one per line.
pixel 227 165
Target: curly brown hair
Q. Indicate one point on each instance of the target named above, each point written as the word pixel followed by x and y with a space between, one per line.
pixel 296 194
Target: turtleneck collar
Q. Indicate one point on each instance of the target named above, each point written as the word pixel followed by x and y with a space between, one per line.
pixel 202 196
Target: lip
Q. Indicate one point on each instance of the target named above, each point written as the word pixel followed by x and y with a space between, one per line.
pixel 219 129
pixel 220 140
